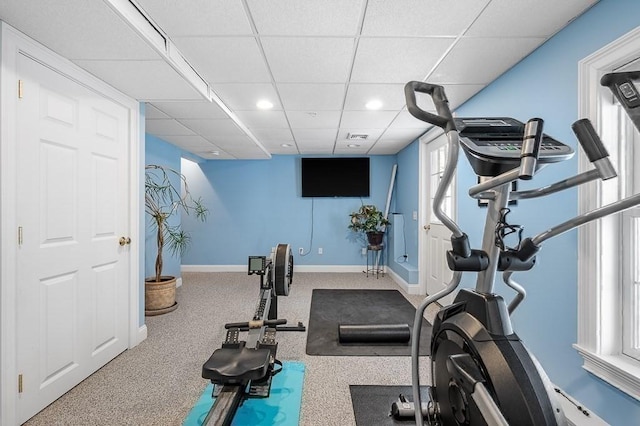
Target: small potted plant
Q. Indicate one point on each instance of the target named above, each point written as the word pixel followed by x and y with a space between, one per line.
pixel 371 221
pixel 163 198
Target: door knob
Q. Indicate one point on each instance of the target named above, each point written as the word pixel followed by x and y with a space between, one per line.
pixel 124 241
pixel 427 227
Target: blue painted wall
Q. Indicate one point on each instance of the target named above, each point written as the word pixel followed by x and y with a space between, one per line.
pixel 545 85
pixel 162 153
pixel 256 204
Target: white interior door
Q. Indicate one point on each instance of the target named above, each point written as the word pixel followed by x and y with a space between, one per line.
pixel 437 238
pixel 72 208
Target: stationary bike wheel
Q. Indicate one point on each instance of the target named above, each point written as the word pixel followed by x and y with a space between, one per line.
pixel 283 269
pixel 511 376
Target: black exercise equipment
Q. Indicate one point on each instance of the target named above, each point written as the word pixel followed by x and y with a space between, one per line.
pixel 243 369
pixel 482 374
pixel 374 333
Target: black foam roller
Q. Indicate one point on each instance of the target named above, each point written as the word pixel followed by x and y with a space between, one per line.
pixel 374 333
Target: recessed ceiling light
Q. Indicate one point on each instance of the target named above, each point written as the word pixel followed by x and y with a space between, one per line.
pixel 373 104
pixel 264 104
pixel 286 145
pixel 353 145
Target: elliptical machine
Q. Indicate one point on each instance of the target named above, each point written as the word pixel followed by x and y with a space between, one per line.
pixel 481 372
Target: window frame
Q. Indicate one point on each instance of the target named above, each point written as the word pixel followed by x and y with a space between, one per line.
pixel 599 334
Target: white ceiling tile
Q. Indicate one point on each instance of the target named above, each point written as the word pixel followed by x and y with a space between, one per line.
pixel 198 17
pixel 165 127
pixel 311 97
pixel 405 120
pixel 221 155
pixel 388 148
pixel 457 94
pixel 326 135
pixel 225 59
pixel 539 18
pixel 263 119
pixel 419 17
pixel 244 96
pixel 314 119
pixel 191 142
pixel 96 32
pixel 309 59
pixel 150 111
pixel 367 119
pixel 294 17
pixel 398 135
pixel 372 136
pixel 132 78
pixel 495 54
pixel 360 150
pixel 191 109
pixel 397 60
pixel 277 136
pixel 391 96
pixel 212 129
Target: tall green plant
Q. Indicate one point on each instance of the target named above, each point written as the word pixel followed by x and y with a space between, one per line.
pixel 163 199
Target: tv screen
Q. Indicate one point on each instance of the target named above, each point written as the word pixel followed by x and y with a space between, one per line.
pixel 335 177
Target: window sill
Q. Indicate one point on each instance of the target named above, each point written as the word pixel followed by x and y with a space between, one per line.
pixel 617 370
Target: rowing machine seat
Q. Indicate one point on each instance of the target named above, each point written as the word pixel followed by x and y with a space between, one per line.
pixel 236 365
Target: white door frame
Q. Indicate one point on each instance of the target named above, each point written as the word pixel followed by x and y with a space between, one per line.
pixel 14 43
pixel 424 209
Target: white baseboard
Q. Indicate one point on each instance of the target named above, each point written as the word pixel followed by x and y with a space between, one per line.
pixel 409 288
pixel 576 417
pixel 298 268
pixel 140 336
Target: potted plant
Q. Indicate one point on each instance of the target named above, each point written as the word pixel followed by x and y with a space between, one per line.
pixel 166 192
pixel 370 220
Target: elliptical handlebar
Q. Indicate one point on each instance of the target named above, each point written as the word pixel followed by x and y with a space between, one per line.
pixel 444 119
pixel 589 140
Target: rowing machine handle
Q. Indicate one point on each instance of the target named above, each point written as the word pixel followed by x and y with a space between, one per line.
pixel 255 324
pixel 444 119
pixel 589 139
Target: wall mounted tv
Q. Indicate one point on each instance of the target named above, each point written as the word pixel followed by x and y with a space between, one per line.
pixel 335 177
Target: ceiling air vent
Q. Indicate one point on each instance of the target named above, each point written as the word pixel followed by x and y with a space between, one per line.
pixel 357 136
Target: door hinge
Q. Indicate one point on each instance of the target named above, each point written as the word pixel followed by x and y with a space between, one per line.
pixel 19 89
pixel 19 383
pixel 19 235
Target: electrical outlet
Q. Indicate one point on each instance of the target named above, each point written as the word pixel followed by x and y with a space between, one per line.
pixel 300 251
pixel 319 250
pixel 364 251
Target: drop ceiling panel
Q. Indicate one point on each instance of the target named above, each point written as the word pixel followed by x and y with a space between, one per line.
pixel 150 112
pixel 367 119
pixel 263 119
pixel 295 17
pixel 420 17
pixel 539 18
pixel 495 54
pixel 397 60
pixel 311 97
pixel 214 130
pixel 309 59
pixel 372 136
pixel 198 17
pixel 318 62
pixel 191 109
pixel 166 127
pixel 133 78
pixel 96 32
pixel 273 136
pixel 314 119
pixel 391 96
pixel 225 59
pixel 244 96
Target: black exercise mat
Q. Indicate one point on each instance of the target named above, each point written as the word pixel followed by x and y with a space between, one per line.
pixel 330 308
pixel 372 404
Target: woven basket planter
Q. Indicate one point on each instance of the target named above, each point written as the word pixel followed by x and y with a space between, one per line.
pixel 159 297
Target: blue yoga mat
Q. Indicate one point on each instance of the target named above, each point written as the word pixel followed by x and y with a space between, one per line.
pixel 281 408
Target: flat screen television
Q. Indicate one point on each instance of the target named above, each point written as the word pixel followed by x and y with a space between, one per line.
pixel 335 177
